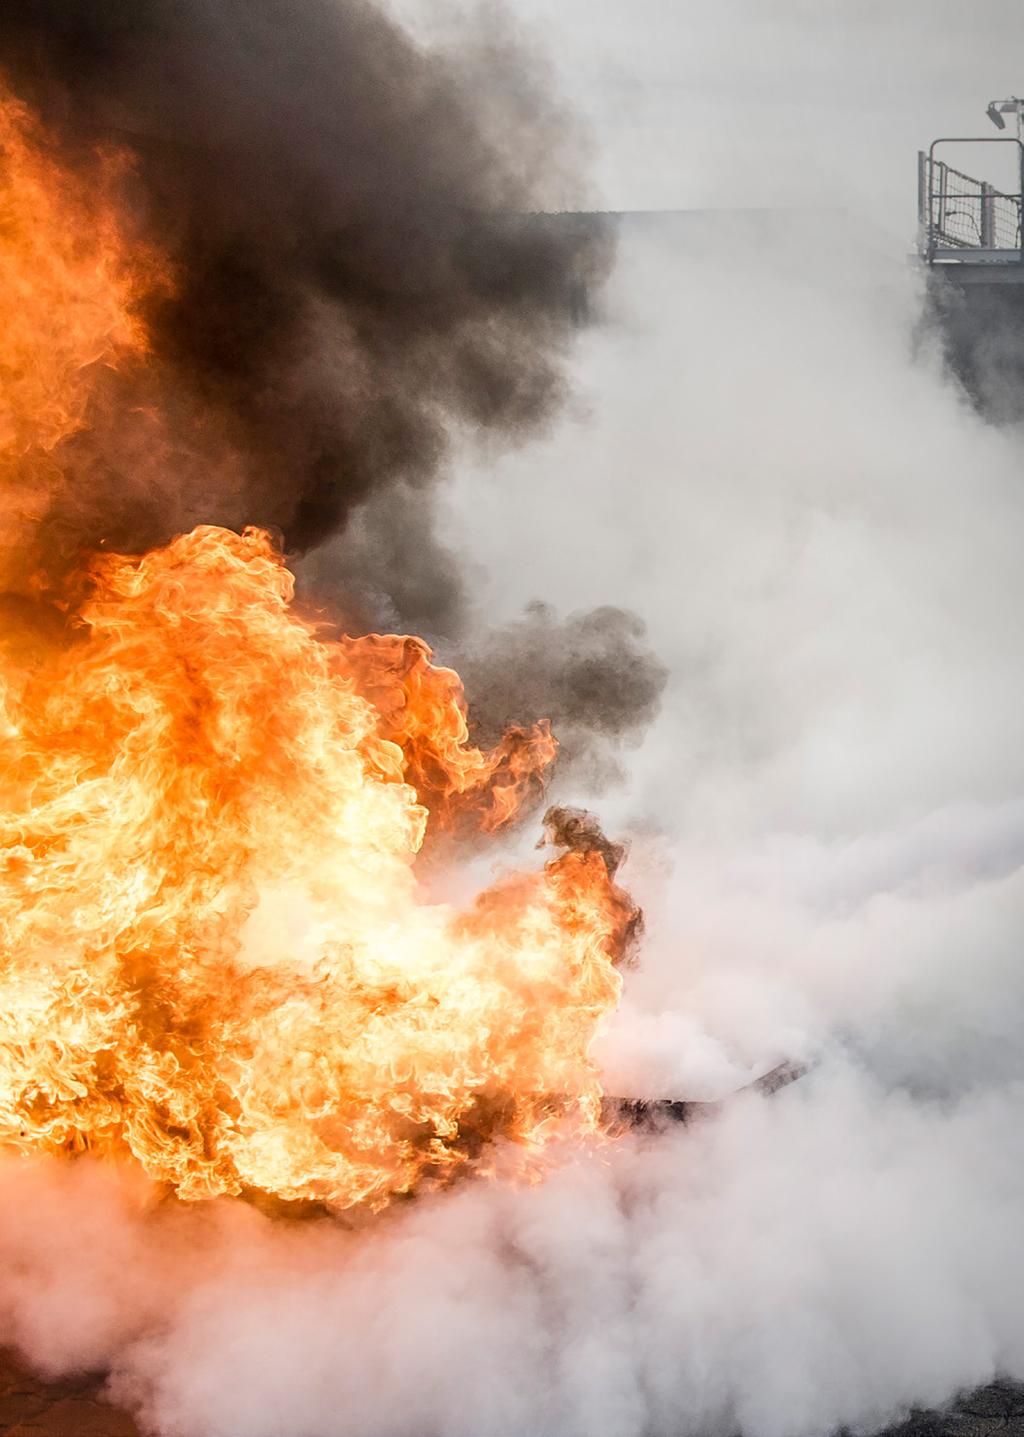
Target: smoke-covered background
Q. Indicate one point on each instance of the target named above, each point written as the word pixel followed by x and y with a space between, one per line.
pixel 763 461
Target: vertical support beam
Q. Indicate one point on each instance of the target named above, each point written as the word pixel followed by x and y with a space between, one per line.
pixel 923 216
pixel 933 232
pixel 988 207
pixel 940 223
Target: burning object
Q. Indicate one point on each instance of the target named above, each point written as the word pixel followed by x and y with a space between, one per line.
pixel 654 1113
pixel 217 960
pixel 217 957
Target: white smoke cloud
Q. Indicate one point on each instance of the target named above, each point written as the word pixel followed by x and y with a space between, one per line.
pixel 836 1254
pixel 828 837
pixel 821 537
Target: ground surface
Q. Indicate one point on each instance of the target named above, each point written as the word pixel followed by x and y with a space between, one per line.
pixel 56 1409
pixel 996 1411
pixel 75 1409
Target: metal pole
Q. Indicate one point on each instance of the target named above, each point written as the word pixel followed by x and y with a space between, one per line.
pixel 923 226
pixel 987 227
pixel 941 225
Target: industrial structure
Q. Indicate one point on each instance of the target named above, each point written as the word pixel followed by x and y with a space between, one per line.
pixel 971 239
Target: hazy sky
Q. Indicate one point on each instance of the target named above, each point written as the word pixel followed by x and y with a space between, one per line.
pixel 778 102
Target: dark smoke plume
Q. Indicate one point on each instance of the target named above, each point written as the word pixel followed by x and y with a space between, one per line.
pixel 593 674
pixel 356 271
pixel 359 271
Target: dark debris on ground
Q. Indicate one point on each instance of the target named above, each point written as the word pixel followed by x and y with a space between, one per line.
pixel 75 1407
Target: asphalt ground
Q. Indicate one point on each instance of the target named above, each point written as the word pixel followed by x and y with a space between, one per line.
pixel 31 1407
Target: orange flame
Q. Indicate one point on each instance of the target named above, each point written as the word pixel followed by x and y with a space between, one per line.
pixel 422 709
pixel 214 952
pixel 68 295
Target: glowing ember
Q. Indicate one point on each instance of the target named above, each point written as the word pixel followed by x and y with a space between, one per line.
pixel 215 956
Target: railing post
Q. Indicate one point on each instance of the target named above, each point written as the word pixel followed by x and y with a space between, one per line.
pixel 923 217
pixel 988 207
pixel 940 227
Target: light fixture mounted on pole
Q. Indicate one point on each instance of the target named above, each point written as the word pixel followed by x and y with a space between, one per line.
pixel 998 108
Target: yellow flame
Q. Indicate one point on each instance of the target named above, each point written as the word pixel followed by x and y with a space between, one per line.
pixel 214 954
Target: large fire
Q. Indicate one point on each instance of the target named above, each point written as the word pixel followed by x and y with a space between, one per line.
pixel 216 954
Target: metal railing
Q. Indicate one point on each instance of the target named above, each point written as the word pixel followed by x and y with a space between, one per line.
pixel 962 218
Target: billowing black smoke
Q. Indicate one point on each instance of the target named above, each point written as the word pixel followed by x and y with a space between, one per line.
pixel 348 216
pixel 593 674
pixel 360 270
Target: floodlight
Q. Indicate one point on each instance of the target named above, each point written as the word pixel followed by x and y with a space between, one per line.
pixel 1013 106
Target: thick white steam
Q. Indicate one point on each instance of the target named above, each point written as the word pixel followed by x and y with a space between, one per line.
pixel 833 1255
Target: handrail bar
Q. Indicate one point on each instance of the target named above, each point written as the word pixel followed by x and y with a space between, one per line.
pixel 933 234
